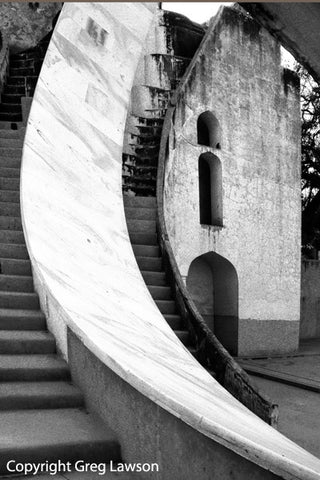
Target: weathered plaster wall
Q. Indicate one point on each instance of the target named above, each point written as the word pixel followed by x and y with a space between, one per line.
pixel 237 76
pixel 24 24
pixel 310 299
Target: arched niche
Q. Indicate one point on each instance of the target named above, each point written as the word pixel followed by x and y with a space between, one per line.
pixel 212 282
pixel 210 189
pixel 209 130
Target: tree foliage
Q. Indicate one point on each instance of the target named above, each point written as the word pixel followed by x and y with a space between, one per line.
pixel 310 150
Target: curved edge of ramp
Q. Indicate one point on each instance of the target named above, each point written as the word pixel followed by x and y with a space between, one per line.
pixel 84 267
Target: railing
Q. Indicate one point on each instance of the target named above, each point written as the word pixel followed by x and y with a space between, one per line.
pixel 209 351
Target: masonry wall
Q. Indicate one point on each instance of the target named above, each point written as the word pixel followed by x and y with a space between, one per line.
pixel 310 299
pixel 237 76
pixel 24 24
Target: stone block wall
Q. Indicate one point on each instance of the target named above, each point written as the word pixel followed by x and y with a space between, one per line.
pixel 237 77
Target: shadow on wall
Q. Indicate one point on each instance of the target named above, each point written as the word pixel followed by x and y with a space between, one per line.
pixel 213 284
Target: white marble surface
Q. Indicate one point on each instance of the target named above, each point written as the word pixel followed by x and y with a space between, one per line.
pixel 76 233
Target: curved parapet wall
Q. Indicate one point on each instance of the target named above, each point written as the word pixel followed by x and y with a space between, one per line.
pixel 85 270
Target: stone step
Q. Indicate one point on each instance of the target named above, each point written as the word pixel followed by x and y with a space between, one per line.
pixel 12 126
pixel 174 321
pixel 160 293
pixel 10 152
pixel 22 342
pixel 32 54
pixel 134 171
pixel 14 251
pixel 23 62
pixel 9 196
pixel 11 142
pixel 144 150
pixel 9 209
pixel 140 180
pixel 139 121
pixel 18 319
pixel 24 71
pixel 166 306
pixel 28 301
pixel 22 80
pixel 9 172
pixel 29 395
pixel 146 250
pixel 15 89
pixel 159 112
pixel 143 238
pixel 36 436
pixel 10 117
pixel 10 223
pixel 141 139
pixel 137 226
pixel 129 159
pixel 10 266
pixel 140 213
pixel 12 184
pixel 11 98
pixel 16 283
pixel 11 163
pixel 139 189
pixel 12 236
pixel 32 368
pixel 183 336
pixel 10 107
pixel 150 264
pixel 10 134
pixel 154 278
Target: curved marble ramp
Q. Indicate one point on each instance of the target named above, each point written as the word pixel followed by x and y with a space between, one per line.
pixel 75 228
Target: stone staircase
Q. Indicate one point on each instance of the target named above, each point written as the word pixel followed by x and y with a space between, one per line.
pixel 42 414
pixel 141 221
pixel 140 160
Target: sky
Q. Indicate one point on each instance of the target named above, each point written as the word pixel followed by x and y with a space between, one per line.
pixel 197 11
pixel 202 11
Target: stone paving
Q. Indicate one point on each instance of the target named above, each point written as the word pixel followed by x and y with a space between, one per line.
pixel 299 407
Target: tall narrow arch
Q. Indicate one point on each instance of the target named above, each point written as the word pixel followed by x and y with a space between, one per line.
pixel 212 282
pixel 209 130
pixel 210 189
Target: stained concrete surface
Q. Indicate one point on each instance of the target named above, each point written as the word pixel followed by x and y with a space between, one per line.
pixel 304 367
pixel 299 417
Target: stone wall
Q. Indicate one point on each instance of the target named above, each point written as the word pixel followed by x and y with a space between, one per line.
pixel 237 77
pixel 24 24
pixel 310 299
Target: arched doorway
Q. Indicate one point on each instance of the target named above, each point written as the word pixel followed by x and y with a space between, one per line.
pixel 213 284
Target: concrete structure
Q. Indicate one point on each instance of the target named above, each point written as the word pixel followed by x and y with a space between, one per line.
pixel 131 367
pixel 236 131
